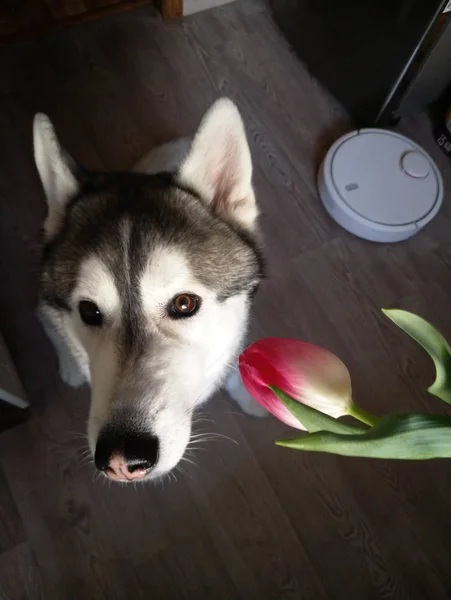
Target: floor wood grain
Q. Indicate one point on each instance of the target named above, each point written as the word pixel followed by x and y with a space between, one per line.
pixel 248 519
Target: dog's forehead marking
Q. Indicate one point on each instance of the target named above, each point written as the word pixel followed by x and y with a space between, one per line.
pixel 167 273
pixel 97 283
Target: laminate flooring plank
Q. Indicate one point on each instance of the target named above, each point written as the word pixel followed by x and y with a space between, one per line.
pixel 11 529
pixel 19 576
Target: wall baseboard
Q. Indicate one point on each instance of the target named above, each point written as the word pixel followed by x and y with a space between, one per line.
pixel 194 6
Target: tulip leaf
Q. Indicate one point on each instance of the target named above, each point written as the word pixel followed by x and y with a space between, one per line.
pixel 312 419
pixel 406 436
pixel 434 344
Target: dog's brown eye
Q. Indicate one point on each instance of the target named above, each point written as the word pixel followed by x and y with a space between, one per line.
pixel 90 313
pixel 184 305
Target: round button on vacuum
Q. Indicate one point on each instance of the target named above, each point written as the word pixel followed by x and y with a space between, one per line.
pixel 415 165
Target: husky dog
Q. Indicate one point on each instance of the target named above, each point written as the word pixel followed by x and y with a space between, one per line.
pixel 146 285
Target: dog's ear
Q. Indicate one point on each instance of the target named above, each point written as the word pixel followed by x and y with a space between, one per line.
pixel 219 165
pixel 56 170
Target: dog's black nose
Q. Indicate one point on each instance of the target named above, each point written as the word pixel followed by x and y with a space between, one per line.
pixel 125 454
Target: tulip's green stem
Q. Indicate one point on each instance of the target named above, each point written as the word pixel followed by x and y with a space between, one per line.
pixel 361 415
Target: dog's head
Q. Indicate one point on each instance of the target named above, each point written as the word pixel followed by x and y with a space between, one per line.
pixel 149 279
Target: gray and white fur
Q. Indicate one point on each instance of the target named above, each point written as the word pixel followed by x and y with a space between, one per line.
pixel 123 253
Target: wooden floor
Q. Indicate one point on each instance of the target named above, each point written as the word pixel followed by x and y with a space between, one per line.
pixel 250 520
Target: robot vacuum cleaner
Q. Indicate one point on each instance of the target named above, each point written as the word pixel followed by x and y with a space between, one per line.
pixel 379 185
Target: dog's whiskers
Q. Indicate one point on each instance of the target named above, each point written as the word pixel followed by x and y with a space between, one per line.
pixel 213 436
pixel 188 460
pixel 195 436
pixel 203 417
pixel 77 435
pixel 84 453
pixel 182 472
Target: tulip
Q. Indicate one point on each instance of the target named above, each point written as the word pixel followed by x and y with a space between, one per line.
pixel 307 373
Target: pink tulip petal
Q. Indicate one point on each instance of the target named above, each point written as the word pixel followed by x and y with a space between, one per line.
pixel 259 390
pixel 307 373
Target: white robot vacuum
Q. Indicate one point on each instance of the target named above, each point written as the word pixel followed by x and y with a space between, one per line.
pixel 379 185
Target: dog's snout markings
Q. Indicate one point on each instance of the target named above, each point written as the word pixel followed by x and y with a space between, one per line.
pixel 126 456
